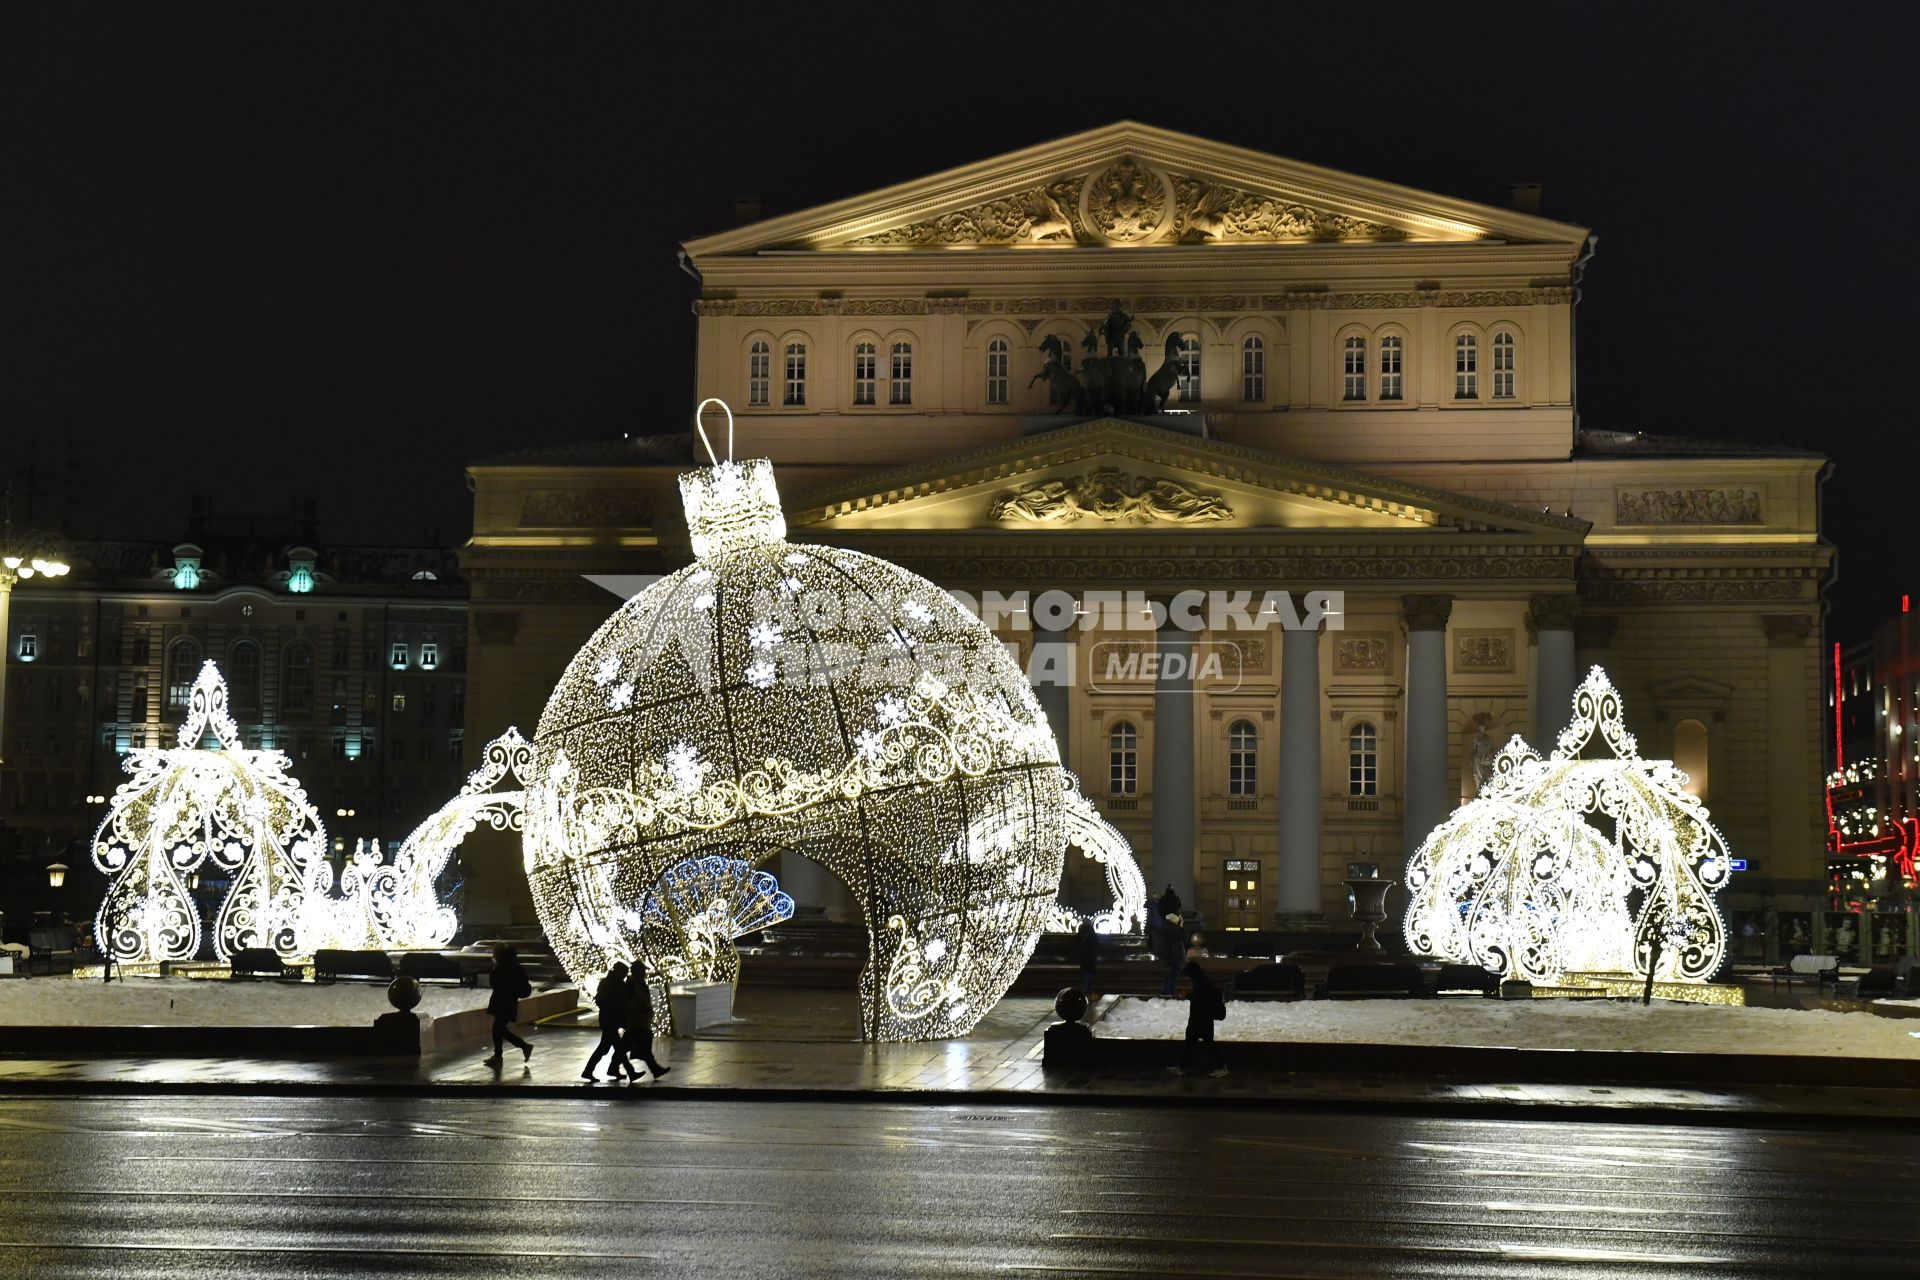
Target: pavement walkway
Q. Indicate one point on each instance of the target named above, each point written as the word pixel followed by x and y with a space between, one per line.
pixel 998 1065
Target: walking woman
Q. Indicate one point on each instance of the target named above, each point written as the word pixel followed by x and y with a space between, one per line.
pixel 639 1038
pixel 611 1000
pixel 510 986
pixel 1205 1006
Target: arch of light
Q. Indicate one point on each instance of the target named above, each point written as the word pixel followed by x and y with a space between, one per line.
pixel 1574 863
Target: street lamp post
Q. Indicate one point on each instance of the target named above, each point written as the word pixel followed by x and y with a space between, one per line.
pixel 21 559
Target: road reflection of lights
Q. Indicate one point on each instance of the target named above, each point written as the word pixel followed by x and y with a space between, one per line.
pixel 1566 1253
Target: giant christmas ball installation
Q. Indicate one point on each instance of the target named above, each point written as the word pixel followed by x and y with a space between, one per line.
pixel 775 697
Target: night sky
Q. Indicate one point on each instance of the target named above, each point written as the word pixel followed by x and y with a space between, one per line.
pixel 268 251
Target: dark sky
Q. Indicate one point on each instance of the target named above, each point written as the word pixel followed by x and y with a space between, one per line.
pixel 267 250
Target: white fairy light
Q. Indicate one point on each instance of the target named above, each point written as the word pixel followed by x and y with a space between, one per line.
pixel 1101 842
pixel 1524 883
pixel 926 779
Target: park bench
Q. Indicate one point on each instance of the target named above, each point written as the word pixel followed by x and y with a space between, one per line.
pixel 430 966
pixel 1269 982
pixel 1887 981
pixel 1819 970
pixel 251 962
pixel 329 965
pixel 48 941
pixel 1393 980
pixel 1466 977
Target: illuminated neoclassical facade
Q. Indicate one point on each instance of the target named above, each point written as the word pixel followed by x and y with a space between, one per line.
pixel 1341 385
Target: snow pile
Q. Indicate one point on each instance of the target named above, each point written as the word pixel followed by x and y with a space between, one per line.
pixel 1664 1026
pixel 69 1002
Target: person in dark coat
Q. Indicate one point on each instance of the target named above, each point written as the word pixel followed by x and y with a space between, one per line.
pixel 638 1042
pixel 610 998
pixel 510 986
pixel 1086 949
pixel 1205 1006
pixel 1169 902
pixel 1170 946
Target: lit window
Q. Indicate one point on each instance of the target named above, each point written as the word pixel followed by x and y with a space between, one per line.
pixel 429 656
pixel 186 574
pixel 1363 761
pixel 29 646
pixel 796 393
pixel 759 374
pixel 1188 368
pixel 1503 379
pixel 397 655
pixel 183 666
pixel 900 375
pixel 1253 369
pixel 399 702
pixel 1392 384
pixel 997 353
pixel 1123 759
pixel 1466 367
pixel 339 746
pixel 1356 368
pixel 1242 743
pixel 866 364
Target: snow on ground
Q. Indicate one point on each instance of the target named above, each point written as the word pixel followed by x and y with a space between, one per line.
pixel 1535 1024
pixel 70 1002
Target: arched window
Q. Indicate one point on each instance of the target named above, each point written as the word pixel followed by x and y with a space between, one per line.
pixel 1690 755
pixel 183 664
pixel 1466 367
pixel 296 680
pixel 1503 370
pixel 759 374
pixel 1189 368
pixel 1355 368
pixel 1066 351
pixel 1363 760
pixel 1242 758
pixel 1123 759
pixel 900 374
pixel 1253 368
pixel 866 369
pixel 1392 354
pixel 997 353
pixel 796 393
pixel 243 676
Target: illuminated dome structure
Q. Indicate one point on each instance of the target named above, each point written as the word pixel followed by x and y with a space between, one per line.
pixel 775 697
pixel 1569 864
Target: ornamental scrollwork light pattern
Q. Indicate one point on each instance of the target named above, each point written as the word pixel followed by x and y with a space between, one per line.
pixel 1099 841
pixel 1572 863
pixel 226 808
pixel 700 906
pixel 776 697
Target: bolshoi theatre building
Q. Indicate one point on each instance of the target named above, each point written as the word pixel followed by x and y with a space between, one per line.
pixel 1134 361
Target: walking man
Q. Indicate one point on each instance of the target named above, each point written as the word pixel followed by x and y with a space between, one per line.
pixel 510 986
pixel 1205 1006
pixel 639 1040
pixel 611 1000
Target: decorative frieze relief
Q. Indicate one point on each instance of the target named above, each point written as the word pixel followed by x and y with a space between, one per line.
pixel 1687 506
pixel 585 509
pixel 1483 653
pixel 1359 652
pixel 1111 495
pixel 1163 305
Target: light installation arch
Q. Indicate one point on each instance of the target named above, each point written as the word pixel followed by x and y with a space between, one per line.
pixel 775 696
pixel 1574 862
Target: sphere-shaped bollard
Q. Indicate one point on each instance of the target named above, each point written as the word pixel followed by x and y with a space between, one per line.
pixel 403 993
pixel 1071 1004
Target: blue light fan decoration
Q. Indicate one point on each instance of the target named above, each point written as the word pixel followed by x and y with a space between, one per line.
pixel 708 902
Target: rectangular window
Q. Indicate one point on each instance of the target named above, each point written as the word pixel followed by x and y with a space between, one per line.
pixel 1503 371
pixel 866 368
pixel 139 711
pixel 900 375
pixel 1356 369
pixel 1187 371
pixel 1466 367
pixel 997 357
pixel 142 645
pixel 429 656
pixel 796 388
pixel 759 374
pixel 339 746
pixel 342 648
pixel 1392 384
pixel 456 745
pixel 1123 760
pixel 398 656
pixel 29 646
pixel 1253 370
pixel 399 702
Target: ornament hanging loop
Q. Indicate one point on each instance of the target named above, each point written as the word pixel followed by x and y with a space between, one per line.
pixel 699 411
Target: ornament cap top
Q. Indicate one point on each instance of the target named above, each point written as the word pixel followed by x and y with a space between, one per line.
pixel 732 505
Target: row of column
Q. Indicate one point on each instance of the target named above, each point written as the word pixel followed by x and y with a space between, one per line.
pixel 1424 792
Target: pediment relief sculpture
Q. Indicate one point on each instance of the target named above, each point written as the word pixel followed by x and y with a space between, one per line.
pixel 1129 202
pixel 1111 495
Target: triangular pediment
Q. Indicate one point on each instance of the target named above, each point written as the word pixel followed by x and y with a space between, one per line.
pixel 1132 185
pixel 1122 475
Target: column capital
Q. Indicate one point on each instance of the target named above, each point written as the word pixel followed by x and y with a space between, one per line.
pixel 1552 611
pixel 1787 630
pixel 1425 612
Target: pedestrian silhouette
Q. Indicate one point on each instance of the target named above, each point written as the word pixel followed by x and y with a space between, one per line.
pixel 1086 949
pixel 1205 1006
pixel 639 1038
pixel 510 985
pixel 611 1000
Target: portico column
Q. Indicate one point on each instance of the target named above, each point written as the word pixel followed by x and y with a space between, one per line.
pixel 1052 669
pixel 1424 792
pixel 1298 895
pixel 1173 764
pixel 1551 618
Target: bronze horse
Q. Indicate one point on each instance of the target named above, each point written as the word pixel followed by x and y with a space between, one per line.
pixel 1160 386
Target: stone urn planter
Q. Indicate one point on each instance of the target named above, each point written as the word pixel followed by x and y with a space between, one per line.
pixel 1369 909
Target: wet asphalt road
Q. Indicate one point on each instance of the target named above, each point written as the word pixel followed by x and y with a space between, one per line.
pixel 523 1187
